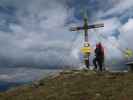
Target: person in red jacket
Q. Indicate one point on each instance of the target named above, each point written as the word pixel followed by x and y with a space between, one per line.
pixel 99 57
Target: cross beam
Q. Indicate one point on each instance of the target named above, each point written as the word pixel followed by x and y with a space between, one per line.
pixel 86 27
pixel 89 27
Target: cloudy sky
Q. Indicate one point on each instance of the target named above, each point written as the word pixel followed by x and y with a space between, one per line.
pixel 34 34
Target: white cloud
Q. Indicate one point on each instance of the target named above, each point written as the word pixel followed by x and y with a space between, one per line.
pixel 125 38
pixel 40 35
pixel 5 77
pixel 24 74
pixel 127 27
pixel 119 7
pixel 110 26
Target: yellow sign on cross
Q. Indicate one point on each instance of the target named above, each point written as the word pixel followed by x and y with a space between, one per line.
pixel 86 50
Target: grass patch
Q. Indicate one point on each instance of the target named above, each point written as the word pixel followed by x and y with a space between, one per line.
pixel 77 85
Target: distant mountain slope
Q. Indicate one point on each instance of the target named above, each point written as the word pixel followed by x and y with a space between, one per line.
pixel 7 85
pixel 76 85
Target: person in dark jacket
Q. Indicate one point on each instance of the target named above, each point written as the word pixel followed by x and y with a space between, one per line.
pixel 99 57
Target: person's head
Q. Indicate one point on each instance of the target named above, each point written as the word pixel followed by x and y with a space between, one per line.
pixel 99 45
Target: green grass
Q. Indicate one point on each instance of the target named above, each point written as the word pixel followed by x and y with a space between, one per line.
pixel 77 85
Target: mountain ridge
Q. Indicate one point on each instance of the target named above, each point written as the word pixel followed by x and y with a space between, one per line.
pixel 76 85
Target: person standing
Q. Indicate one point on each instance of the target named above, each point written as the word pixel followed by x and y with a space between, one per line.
pixel 98 61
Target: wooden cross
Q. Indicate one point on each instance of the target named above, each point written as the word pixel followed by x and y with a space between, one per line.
pixel 86 27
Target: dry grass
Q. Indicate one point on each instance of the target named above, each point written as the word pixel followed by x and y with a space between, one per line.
pixel 77 85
